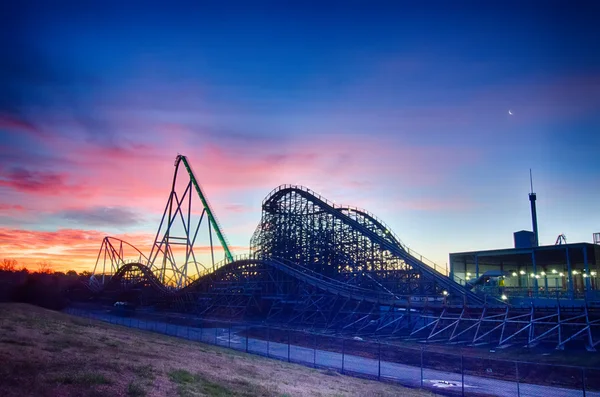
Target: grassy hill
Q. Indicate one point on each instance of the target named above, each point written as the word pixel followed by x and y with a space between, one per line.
pixel 46 353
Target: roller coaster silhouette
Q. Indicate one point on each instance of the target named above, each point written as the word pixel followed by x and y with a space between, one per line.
pixel 313 264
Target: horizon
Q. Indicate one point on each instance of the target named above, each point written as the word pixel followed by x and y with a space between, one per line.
pixel 429 117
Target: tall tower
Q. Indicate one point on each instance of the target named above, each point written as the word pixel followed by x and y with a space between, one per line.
pixel 533 212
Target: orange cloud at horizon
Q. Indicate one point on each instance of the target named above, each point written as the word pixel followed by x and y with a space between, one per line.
pixel 74 249
pixel 64 249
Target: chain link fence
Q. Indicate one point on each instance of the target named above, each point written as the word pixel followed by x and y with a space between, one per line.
pixel 423 367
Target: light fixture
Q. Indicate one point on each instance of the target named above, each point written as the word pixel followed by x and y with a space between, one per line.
pixel 532 274
pixel 514 274
pixel 444 292
pixel 561 274
pixel 554 271
pixel 537 276
pixel 584 275
pixel 504 297
pixel 593 273
pixel 543 273
pixel 468 274
pixel 522 272
pixel 575 272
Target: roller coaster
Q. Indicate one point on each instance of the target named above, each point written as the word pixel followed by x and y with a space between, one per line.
pixel 317 265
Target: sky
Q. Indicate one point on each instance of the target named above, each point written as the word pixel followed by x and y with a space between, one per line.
pixel 398 108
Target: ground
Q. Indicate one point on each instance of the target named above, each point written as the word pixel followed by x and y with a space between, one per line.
pixel 46 353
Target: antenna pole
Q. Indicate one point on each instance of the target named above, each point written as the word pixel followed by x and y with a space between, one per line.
pixel 532 198
pixel 531 180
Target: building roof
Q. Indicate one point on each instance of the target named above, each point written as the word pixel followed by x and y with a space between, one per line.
pixel 513 251
pixel 547 255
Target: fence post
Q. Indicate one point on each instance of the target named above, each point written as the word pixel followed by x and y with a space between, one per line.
pixel 246 339
pixel 288 345
pixel 379 363
pixel 517 373
pixel 343 352
pixel 421 366
pixel 462 374
pixel 583 380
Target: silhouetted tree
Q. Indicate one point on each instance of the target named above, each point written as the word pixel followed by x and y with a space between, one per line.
pixel 44 287
pixel 44 267
pixel 8 265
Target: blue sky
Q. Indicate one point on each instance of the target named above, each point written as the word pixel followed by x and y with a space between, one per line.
pixel 398 108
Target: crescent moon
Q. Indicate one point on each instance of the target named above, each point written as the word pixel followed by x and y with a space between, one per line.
pixel 510 112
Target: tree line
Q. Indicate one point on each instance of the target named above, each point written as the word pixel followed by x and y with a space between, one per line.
pixel 43 286
pixel 43 267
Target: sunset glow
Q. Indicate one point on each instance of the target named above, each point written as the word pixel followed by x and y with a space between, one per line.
pixel 398 111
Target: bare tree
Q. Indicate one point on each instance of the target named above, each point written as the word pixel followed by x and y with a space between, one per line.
pixel 45 267
pixel 8 265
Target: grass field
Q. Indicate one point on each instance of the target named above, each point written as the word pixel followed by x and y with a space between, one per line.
pixel 45 353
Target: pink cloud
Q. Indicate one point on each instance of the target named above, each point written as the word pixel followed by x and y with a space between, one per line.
pixel 45 183
pixel 11 208
pixel 137 176
pixel 13 123
pixel 140 175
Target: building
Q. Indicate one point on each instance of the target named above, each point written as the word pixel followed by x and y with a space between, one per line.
pixel 561 271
